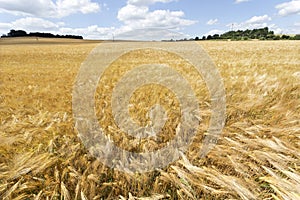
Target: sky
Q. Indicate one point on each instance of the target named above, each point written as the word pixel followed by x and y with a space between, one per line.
pixel 148 19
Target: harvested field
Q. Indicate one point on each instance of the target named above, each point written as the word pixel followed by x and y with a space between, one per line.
pixel 257 156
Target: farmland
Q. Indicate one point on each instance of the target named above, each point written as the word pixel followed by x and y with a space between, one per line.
pixel 257 156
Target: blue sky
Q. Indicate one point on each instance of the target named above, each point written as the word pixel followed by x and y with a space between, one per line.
pixel 151 19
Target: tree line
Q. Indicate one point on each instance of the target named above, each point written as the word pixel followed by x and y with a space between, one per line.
pixel 260 34
pixel 22 33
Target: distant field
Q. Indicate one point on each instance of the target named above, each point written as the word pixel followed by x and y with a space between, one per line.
pixel 257 157
pixel 38 40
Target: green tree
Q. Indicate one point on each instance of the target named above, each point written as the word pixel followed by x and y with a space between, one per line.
pixel 285 37
pixel 209 37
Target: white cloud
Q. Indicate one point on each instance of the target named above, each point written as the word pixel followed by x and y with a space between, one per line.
pixel 275 28
pixel 256 22
pixel 31 23
pixel 132 12
pixel 48 8
pixel 137 17
pixel 289 30
pixel 244 26
pixel 138 21
pixel 31 7
pixel 4 28
pixel 123 33
pixel 90 32
pixel 214 31
pixel 258 19
pixel 289 8
pixel 150 34
pixel 292 31
pixel 34 24
pixel 241 1
pixel 141 23
pixel 212 22
pixel 146 2
pixel 252 23
pixel 67 7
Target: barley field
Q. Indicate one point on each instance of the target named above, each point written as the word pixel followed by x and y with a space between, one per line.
pixel 257 155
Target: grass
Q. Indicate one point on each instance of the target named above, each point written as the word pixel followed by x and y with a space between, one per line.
pixel 257 156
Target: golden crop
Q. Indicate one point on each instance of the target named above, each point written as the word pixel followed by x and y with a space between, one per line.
pixel 257 156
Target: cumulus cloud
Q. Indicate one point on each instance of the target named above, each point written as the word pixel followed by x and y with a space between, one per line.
pixel 123 33
pixel 150 34
pixel 212 22
pixel 131 13
pixel 146 2
pixel 289 8
pixel 294 29
pixel 275 28
pixel 4 27
pixel 136 15
pixel 90 32
pixel 214 31
pixel 31 7
pixel 240 1
pixel 31 23
pixel 138 21
pixel 67 7
pixel 258 19
pixel 35 24
pixel 252 23
pixel 48 8
pixel 256 22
